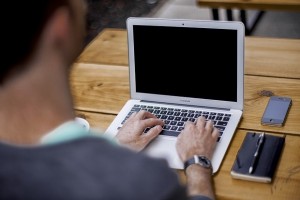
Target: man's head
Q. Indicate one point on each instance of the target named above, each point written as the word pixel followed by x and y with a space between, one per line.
pixel 41 39
pixel 30 22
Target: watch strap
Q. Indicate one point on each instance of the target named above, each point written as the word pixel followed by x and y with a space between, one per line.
pixel 199 160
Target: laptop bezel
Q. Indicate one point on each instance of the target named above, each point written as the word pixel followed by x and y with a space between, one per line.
pixel 233 25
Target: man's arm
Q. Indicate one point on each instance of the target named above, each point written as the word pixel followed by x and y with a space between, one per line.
pixel 198 139
pixel 199 181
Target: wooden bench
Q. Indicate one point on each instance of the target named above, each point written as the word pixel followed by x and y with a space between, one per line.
pixel 243 5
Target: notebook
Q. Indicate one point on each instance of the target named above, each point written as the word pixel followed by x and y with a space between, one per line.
pixel 180 69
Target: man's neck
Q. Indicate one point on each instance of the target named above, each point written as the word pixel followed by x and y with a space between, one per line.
pixel 34 104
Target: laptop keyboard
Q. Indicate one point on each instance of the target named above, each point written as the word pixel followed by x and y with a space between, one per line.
pixel 175 118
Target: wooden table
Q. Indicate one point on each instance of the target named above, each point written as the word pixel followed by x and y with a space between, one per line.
pixel 243 5
pixel 100 87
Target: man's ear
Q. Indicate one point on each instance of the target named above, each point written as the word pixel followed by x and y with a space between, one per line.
pixel 58 28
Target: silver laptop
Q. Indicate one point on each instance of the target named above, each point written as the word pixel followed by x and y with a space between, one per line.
pixel 180 70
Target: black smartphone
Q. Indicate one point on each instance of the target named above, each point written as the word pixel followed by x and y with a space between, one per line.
pixel 276 111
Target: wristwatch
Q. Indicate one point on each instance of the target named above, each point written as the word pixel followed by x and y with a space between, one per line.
pixel 198 160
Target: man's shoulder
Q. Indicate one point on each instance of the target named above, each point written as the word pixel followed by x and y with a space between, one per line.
pixel 129 170
pixel 95 165
pixel 103 151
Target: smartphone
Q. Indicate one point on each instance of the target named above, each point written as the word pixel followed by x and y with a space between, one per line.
pixel 276 111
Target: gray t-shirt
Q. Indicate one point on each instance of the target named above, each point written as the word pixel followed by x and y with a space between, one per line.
pixel 85 168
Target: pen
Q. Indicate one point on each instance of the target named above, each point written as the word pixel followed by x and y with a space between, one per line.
pixel 257 152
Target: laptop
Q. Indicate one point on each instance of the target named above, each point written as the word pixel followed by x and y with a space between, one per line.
pixel 181 69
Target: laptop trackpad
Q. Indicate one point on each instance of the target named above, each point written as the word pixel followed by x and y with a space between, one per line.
pixel 164 147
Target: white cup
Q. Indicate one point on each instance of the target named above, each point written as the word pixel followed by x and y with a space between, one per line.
pixel 85 124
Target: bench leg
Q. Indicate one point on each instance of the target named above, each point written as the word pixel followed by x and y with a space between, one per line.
pixel 249 28
pixel 243 17
pixel 215 13
pixel 229 14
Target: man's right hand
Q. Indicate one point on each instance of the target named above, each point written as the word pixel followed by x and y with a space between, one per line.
pixel 198 138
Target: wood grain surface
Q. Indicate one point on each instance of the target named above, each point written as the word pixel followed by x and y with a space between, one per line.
pixel 100 86
pixel 105 89
pixel 263 56
pixel 285 184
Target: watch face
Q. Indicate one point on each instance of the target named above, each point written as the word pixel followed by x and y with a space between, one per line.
pixel 199 160
pixel 203 161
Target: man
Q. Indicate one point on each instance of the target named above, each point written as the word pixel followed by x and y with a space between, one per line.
pixel 44 38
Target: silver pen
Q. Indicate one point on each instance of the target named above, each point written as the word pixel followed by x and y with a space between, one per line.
pixel 257 152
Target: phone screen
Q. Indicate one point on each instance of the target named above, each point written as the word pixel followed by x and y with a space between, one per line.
pixel 276 111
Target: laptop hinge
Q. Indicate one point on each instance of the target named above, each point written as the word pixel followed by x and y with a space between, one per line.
pixel 193 106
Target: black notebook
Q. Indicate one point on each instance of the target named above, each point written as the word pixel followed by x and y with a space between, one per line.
pixel 266 162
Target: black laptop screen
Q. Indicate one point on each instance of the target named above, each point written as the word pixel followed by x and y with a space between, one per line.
pixel 187 62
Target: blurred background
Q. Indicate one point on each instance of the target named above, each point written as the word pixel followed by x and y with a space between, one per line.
pixel 113 14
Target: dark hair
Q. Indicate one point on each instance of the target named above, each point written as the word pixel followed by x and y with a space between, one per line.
pixel 21 29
